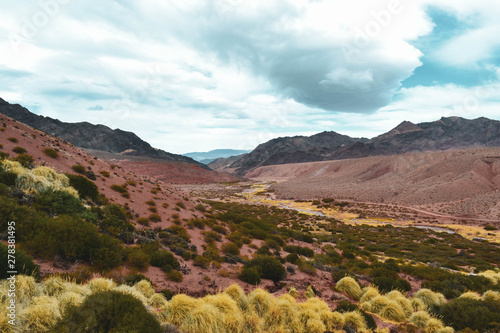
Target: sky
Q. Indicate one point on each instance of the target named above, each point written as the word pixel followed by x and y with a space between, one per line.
pixel 193 75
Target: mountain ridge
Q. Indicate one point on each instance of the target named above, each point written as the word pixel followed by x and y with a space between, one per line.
pixel 91 136
pixel 443 134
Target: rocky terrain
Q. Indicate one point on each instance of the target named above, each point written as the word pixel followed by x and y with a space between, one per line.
pixel 440 135
pixel 90 136
pixel 459 182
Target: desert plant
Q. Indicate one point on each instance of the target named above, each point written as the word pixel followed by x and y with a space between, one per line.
pixel 78 168
pixel 13 140
pixel 349 286
pixel 19 150
pixel 109 311
pixel 51 152
pixel 419 319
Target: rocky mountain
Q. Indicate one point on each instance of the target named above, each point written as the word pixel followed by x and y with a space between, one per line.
pixel 443 134
pixel 292 150
pixel 89 136
pixel 210 156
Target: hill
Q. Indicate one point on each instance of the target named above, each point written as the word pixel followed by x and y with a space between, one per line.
pixel 460 182
pixel 90 136
pixel 443 134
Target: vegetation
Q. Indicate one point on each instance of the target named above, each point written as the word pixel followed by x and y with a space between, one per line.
pixel 78 168
pixel 51 152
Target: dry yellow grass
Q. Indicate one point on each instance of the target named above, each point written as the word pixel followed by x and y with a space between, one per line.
pixel 349 286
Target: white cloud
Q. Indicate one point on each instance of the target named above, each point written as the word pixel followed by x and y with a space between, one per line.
pixel 197 75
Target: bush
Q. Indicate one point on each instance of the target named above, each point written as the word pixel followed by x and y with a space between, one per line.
pixel 349 286
pixel 167 293
pixel 268 268
pixel 230 248
pixel 132 279
pixel 24 159
pixel 250 275
pixel 175 276
pixel 478 315
pixel 181 205
pixel 24 264
pixel 12 139
pixel 109 253
pixel 104 173
pixel 59 202
pixel 51 152
pixel 162 258
pixel 138 260
pixel 86 188
pixel 292 258
pixel 78 168
pixel 201 261
pixel 109 311
pixel 154 217
pixel 200 207
pixel 19 150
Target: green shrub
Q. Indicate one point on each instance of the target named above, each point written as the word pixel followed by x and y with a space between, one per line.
pixel 109 253
pixel 175 276
pixel 8 178
pixel 134 278
pixel 167 293
pixel 268 268
pixel 109 311
pixel 104 173
pixel 181 205
pixel 78 168
pixel 86 188
pixel 250 275
pixel 162 258
pixel 150 203
pixel 23 265
pixel 59 202
pixel 478 315
pixel 12 139
pixel 19 150
pixel 154 217
pixel 138 260
pixel 24 159
pixel 200 207
pixel 51 152
pixel 230 248
pixel 201 261
pixel 292 258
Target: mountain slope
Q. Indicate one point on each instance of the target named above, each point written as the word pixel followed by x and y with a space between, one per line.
pixel 443 134
pixel 90 136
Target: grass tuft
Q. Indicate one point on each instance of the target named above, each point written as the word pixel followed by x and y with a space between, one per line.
pixel 349 286
pixel 419 319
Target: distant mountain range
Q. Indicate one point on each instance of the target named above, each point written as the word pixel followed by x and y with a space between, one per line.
pixel 443 134
pixel 89 136
pixel 208 157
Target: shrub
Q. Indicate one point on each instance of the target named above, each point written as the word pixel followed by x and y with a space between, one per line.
pixel 78 168
pixel 201 261
pixel 230 248
pixel 42 314
pixel 269 268
pixel 175 276
pixel 475 314
pixel 167 293
pixel 132 279
pixel 393 311
pixel 292 258
pixel 419 319
pixel 24 159
pixel 138 260
pixel 109 311
pixel 51 152
pixel 59 202
pixel 12 139
pixel 19 150
pixel 162 258
pixel 24 264
pixel 104 173
pixel 150 203
pixel 154 217
pixel 86 188
pixel 200 207
pixel 349 286
pixel 181 205
pixel 250 275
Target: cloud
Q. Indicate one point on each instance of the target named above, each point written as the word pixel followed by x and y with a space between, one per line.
pixel 198 75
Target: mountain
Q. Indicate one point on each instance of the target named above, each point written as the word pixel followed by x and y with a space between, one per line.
pixel 292 150
pixel 89 136
pixel 443 134
pixel 208 157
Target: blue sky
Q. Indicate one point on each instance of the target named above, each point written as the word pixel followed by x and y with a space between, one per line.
pixel 198 75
